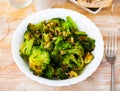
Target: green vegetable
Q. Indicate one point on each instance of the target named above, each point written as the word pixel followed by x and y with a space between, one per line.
pixel 48 72
pixel 26 46
pixel 56 49
pixel 38 60
pixel 87 42
pixel 72 74
pixel 88 57
pixel 72 25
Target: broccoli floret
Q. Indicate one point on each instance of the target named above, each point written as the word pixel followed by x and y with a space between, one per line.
pixel 62 46
pixel 31 27
pixel 27 35
pixel 66 28
pixel 64 67
pixel 79 47
pixel 60 73
pixel 38 60
pixel 70 60
pixel 70 66
pixel 92 44
pixel 36 27
pixel 57 39
pixel 46 43
pixel 56 21
pixel 26 46
pixel 87 42
pixel 48 72
pixel 79 65
pixel 55 26
pixel 66 61
pixel 72 25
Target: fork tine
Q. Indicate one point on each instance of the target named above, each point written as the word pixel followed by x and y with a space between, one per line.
pixel 116 42
pixel 111 43
pixel 107 42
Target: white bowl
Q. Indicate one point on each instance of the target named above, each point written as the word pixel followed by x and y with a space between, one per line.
pixel 83 23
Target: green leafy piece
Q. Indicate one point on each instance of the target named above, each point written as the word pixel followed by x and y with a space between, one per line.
pixel 60 73
pixel 46 37
pixel 87 42
pixel 28 36
pixel 66 28
pixel 88 58
pixel 62 45
pixel 56 21
pixel 72 25
pixel 78 49
pixel 72 74
pixel 34 28
pixel 80 33
pixel 58 39
pixel 48 72
pixel 38 60
pixel 26 46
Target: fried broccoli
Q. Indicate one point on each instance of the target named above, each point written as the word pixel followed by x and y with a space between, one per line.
pixel 87 42
pixel 38 60
pixel 26 46
pixel 60 73
pixel 56 49
pixel 70 66
pixel 56 22
pixel 72 25
pixel 35 28
pixel 48 72
pixel 88 57
pixel 72 74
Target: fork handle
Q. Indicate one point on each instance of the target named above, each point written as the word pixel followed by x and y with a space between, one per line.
pixel 112 88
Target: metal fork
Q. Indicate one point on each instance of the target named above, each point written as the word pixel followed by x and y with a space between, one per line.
pixel 111 53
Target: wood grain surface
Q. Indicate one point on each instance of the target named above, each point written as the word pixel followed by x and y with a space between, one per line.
pixel 12 79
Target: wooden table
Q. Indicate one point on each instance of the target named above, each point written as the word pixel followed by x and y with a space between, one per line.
pixel 12 79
